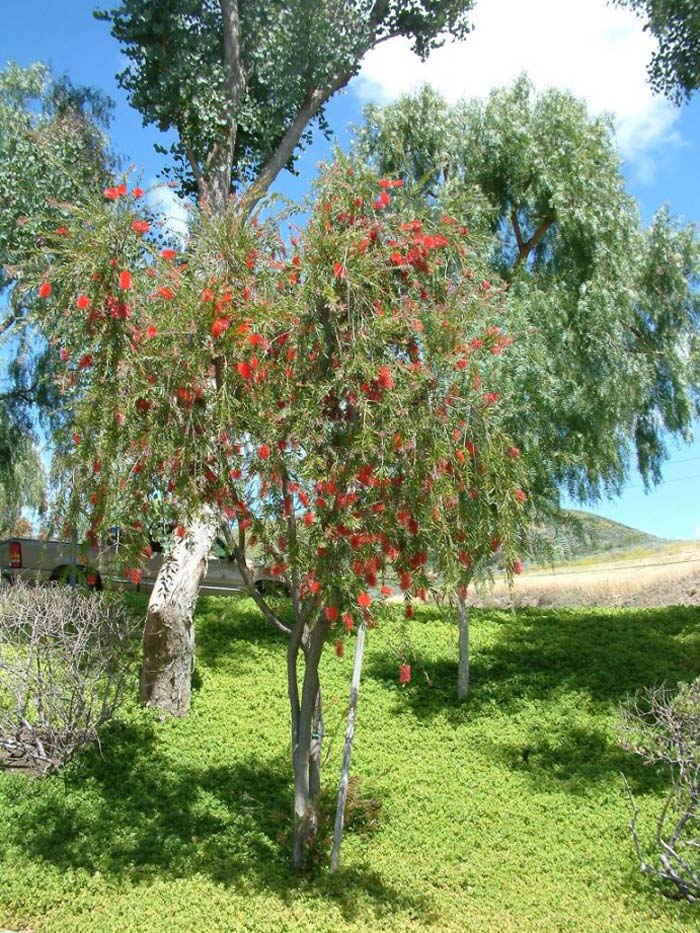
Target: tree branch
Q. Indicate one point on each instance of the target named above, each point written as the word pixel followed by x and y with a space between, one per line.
pixel 527 247
pixel 308 110
pixel 270 616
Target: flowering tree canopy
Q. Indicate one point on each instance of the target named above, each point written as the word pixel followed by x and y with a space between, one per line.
pixel 335 397
pixel 331 396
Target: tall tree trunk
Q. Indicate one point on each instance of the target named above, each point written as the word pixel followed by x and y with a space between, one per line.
pixel 306 749
pixel 347 752
pixel 463 668
pixel 168 635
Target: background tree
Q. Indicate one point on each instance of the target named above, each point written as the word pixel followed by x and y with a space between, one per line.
pixel 53 148
pixel 611 367
pixel 332 400
pixel 241 86
pixel 674 69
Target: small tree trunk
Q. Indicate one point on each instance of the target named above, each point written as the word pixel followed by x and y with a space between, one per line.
pixel 168 635
pixel 347 752
pixel 463 668
pixel 304 746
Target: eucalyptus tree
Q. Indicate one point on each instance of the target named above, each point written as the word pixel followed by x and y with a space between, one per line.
pixel 611 370
pixel 53 148
pixel 241 85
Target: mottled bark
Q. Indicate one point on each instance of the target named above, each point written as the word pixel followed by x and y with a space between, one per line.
pixel 168 635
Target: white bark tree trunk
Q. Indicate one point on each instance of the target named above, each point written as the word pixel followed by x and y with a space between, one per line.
pixel 463 668
pixel 347 752
pixel 168 635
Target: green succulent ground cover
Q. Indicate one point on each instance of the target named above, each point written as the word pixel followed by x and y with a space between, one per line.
pixel 504 813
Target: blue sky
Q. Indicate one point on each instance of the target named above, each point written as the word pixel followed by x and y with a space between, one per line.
pixel 597 52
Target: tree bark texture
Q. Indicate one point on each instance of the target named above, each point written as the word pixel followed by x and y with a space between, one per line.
pixel 168 635
pixel 347 751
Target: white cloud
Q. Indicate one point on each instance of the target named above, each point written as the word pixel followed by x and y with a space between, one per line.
pixel 172 210
pixel 598 52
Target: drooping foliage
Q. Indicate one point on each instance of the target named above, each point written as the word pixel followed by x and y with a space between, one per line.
pixel 331 398
pixel 614 306
pixel 341 383
pixel 53 148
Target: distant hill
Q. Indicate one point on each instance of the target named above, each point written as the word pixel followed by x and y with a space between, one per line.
pixel 584 535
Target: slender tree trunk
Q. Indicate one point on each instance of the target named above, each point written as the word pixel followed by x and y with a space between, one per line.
pixel 463 668
pixel 306 715
pixel 347 752
pixel 168 635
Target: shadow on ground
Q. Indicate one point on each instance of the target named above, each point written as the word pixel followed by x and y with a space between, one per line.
pixel 133 813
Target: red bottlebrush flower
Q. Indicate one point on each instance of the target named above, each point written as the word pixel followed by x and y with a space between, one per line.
pixel 348 621
pixel 308 519
pixel 180 532
pixel 364 600
pixel 137 193
pixel 514 452
pixel 386 591
pixel 331 613
pixel 255 340
pixel 405 674
pixel 382 201
pixel 339 271
pixel 134 575
pixel 391 183
pixel 495 545
pixel 220 326
pixel 121 190
pixel 45 289
pixel 264 451
pixel 384 377
pixel 168 253
pixel 207 295
pixel 62 231
pixel 97 466
pixel 140 226
pixel 409 612
pixel 63 355
pixel 76 439
pixel 405 581
pixel 82 302
pixel 86 361
pixel 490 398
pixel 517 566
pixel 119 418
pixel 92 579
pixel 151 331
pixel 244 370
pixel 112 194
pixel 485 285
pixel 165 292
pixel 125 280
pixel 520 495
pixel 340 648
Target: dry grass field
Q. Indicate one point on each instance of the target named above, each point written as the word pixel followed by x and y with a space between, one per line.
pixel 667 575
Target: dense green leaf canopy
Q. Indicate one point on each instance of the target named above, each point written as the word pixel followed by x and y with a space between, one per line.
pixel 675 66
pixel 235 79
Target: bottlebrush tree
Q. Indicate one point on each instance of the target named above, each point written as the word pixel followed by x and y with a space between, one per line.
pixel 335 396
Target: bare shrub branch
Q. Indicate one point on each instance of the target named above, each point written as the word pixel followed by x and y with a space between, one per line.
pixel 64 658
pixel 664 728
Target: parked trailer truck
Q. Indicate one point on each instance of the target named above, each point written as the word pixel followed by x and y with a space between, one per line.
pixel 36 561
